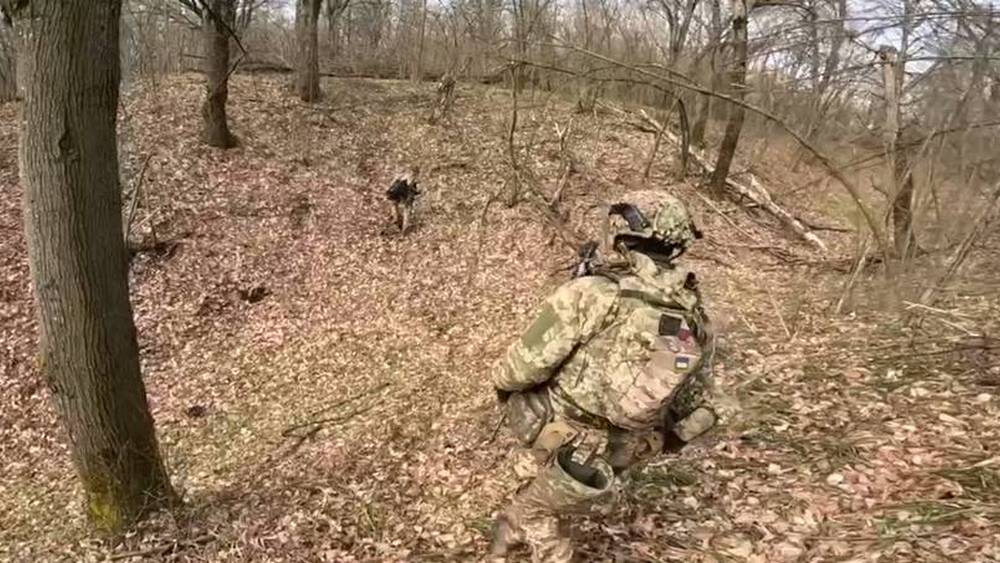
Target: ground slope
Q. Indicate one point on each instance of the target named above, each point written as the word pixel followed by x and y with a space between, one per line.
pixel 285 299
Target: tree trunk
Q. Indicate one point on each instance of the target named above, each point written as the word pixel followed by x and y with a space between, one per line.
pixel 902 176
pixel 307 35
pixel 418 74
pixel 704 106
pixel 8 66
pixel 219 18
pixel 88 354
pixel 737 80
pixel 902 208
pixel 334 11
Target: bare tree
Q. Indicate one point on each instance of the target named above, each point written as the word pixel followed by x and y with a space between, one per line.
pixel 69 168
pixel 219 17
pixel 334 12
pixel 737 80
pixel 902 176
pixel 307 60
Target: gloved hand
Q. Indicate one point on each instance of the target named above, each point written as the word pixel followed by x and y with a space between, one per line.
pixel 671 442
pixel 502 395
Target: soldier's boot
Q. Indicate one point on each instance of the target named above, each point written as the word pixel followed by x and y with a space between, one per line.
pixel 504 537
pixel 567 485
pixel 405 220
pixel 398 208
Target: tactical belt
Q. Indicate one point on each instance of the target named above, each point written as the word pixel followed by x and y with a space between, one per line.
pixel 579 414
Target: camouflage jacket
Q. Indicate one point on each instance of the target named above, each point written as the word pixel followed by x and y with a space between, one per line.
pixel 611 351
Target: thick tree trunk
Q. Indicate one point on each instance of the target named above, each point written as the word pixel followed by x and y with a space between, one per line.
pixel 737 80
pixel 69 168
pixel 307 35
pixel 219 20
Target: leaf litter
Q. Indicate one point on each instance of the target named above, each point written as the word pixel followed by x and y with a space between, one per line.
pixel 320 383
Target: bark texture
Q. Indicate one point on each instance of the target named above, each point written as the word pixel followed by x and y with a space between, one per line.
pixel 72 211
pixel 8 68
pixel 307 35
pixel 902 176
pixel 218 21
pixel 737 80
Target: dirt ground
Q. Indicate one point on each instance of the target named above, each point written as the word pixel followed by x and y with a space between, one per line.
pixel 320 383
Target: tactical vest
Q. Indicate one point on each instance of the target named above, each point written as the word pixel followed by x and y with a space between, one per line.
pixel 649 353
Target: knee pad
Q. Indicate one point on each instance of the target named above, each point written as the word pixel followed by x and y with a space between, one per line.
pixel 568 485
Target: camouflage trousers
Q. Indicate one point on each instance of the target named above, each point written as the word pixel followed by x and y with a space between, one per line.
pixel 569 469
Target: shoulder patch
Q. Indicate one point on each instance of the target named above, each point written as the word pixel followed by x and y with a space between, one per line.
pixel 535 335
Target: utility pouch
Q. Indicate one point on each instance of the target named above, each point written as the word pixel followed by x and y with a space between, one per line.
pixel 527 413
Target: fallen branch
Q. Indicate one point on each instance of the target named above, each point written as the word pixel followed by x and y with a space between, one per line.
pixel 316 425
pixel 135 198
pixel 722 214
pixel 753 190
pixel 827 163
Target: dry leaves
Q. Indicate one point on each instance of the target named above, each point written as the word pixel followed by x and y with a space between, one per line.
pixel 288 293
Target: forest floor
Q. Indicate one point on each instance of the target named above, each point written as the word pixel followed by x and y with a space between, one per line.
pixel 319 382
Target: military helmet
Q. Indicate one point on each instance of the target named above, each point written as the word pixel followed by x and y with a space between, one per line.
pixel 671 230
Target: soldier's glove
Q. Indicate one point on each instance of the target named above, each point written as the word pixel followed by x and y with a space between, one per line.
pixel 502 395
pixel 671 443
pixel 677 433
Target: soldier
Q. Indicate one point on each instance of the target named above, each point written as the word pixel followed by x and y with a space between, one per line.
pixel 403 194
pixel 610 373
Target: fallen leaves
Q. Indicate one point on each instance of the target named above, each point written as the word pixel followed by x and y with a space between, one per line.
pixel 286 297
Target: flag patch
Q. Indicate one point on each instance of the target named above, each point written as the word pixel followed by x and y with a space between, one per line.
pixel 682 362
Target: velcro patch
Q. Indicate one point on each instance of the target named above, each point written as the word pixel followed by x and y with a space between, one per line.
pixel 670 325
pixel 682 363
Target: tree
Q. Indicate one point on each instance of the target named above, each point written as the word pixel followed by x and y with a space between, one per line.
pixel 334 10
pixel 88 353
pixel 737 80
pixel 8 74
pixel 307 63
pixel 218 20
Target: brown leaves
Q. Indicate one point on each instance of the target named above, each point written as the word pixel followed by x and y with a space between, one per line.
pixel 285 298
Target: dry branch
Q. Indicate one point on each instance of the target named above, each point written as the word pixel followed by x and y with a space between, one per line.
pixel 981 223
pixel 134 204
pixel 753 190
pixel 688 84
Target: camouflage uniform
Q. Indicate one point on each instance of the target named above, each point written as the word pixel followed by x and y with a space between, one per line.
pixel 608 363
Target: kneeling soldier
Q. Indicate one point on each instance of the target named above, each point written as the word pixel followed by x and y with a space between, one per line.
pixel 608 375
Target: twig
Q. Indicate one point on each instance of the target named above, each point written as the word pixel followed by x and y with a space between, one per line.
pixel 732 223
pixel 912 305
pixel 690 85
pixel 496 429
pixel 777 312
pixel 135 198
pixel 290 431
pixel 567 160
pixel 858 267
pixel 980 225
pixel 160 550
pixel 753 190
